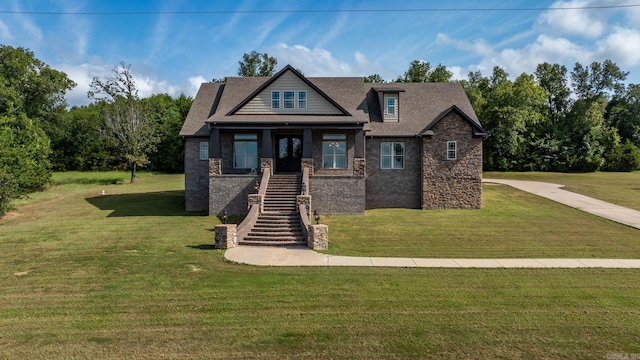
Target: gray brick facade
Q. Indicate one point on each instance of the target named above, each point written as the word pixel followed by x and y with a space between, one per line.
pixel 231 192
pixel 394 188
pixel 338 194
pixel 196 176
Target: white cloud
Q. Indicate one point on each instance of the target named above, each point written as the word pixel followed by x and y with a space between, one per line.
pixel 312 62
pixel 194 85
pixel 573 21
pixel 479 47
pixel 621 46
pixel 5 34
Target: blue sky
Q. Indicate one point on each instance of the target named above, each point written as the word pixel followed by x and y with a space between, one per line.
pixel 175 52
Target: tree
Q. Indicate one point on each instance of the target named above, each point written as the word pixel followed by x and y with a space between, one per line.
pixel 597 79
pixel 24 163
pixel 39 90
pixel 169 115
pixel 127 125
pixel 421 71
pixel 374 78
pixel 256 64
pixel 553 79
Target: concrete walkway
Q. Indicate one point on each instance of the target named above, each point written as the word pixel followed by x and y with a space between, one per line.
pixel 302 256
pixel 593 206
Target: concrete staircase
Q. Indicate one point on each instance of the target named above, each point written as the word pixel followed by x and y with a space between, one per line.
pixel 279 223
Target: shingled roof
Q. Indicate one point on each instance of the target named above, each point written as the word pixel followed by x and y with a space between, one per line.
pixel 421 105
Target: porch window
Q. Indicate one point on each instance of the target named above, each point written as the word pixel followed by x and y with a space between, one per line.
pixel 392 155
pixel 288 99
pixel 204 151
pixel 302 99
pixel 334 151
pixel 275 99
pixel 452 150
pixel 245 151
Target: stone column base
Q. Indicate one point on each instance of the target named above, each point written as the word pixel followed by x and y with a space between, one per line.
pixel 226 236
pixel 359 166
pixel 266 163
pixel 215 166
pixel 307 163
pixel 318 237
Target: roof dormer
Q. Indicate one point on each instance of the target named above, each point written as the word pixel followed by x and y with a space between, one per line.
pixel 389 100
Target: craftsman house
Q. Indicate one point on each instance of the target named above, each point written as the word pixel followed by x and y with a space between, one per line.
pixel 360 145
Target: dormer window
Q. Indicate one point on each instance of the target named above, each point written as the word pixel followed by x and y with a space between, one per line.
pixel 391 105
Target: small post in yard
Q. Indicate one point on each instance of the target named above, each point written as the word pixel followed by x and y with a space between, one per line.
pixel 316 215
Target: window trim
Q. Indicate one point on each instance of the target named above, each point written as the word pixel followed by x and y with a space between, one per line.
pixel 204 150
pixel 452 149
pixel 327 138
pixel 275 99
pixel 245 138
pixel 301 101
pixel 392 106
pixel 392 155
pixel 292 100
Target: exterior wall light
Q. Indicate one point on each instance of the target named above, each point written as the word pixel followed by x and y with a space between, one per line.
pixel 316 215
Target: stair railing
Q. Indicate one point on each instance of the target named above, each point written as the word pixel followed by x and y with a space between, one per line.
pixel 255 208
pixel 304 203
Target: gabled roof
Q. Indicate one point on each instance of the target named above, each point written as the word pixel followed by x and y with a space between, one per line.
pixel 275 78
pixel 420 105
pixel 477 129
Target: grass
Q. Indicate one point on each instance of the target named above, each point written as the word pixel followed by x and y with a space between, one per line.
pixel 618 188
pixel 511 224
pixel 132 275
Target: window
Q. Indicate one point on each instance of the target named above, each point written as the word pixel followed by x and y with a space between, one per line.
pixel 392 155
pixel 302 99
pixel 245 151
pixel 391 105
pixel 452 150
pixel 275 100
pixel 204 151
pixel 334 151
pixel 288 99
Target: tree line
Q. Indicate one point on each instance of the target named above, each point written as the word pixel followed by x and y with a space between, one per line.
pixel 587 119
pixel 39 133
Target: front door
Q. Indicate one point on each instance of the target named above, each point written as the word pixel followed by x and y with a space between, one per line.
pixel 288 154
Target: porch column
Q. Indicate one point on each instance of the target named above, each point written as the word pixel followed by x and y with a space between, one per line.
pixel 215 153
pixel 307 150
pixel 266 160
pixel 214 144
pixel 359 162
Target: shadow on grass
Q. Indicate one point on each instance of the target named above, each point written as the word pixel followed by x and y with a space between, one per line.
pixel 161 203
pixel 91 181
pixel 203 247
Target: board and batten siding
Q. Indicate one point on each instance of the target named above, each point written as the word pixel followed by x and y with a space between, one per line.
pixel 316 104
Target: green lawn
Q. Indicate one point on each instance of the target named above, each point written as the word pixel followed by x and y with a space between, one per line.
pixel 618 188
pixel 132 275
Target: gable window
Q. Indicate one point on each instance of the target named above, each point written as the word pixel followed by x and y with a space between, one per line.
pixel 391 105
pixel 334 151
pixel 452 150
pixel 275 99
pixel 204 151
pixel 392 155
pixel 302 99
pixel 245 151
pixel 288 98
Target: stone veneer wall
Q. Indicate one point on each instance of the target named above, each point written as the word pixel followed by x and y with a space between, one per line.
pixel 337 194
pixel 452 184
pixel 196 176
pixel 231 192
pixel 394 188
